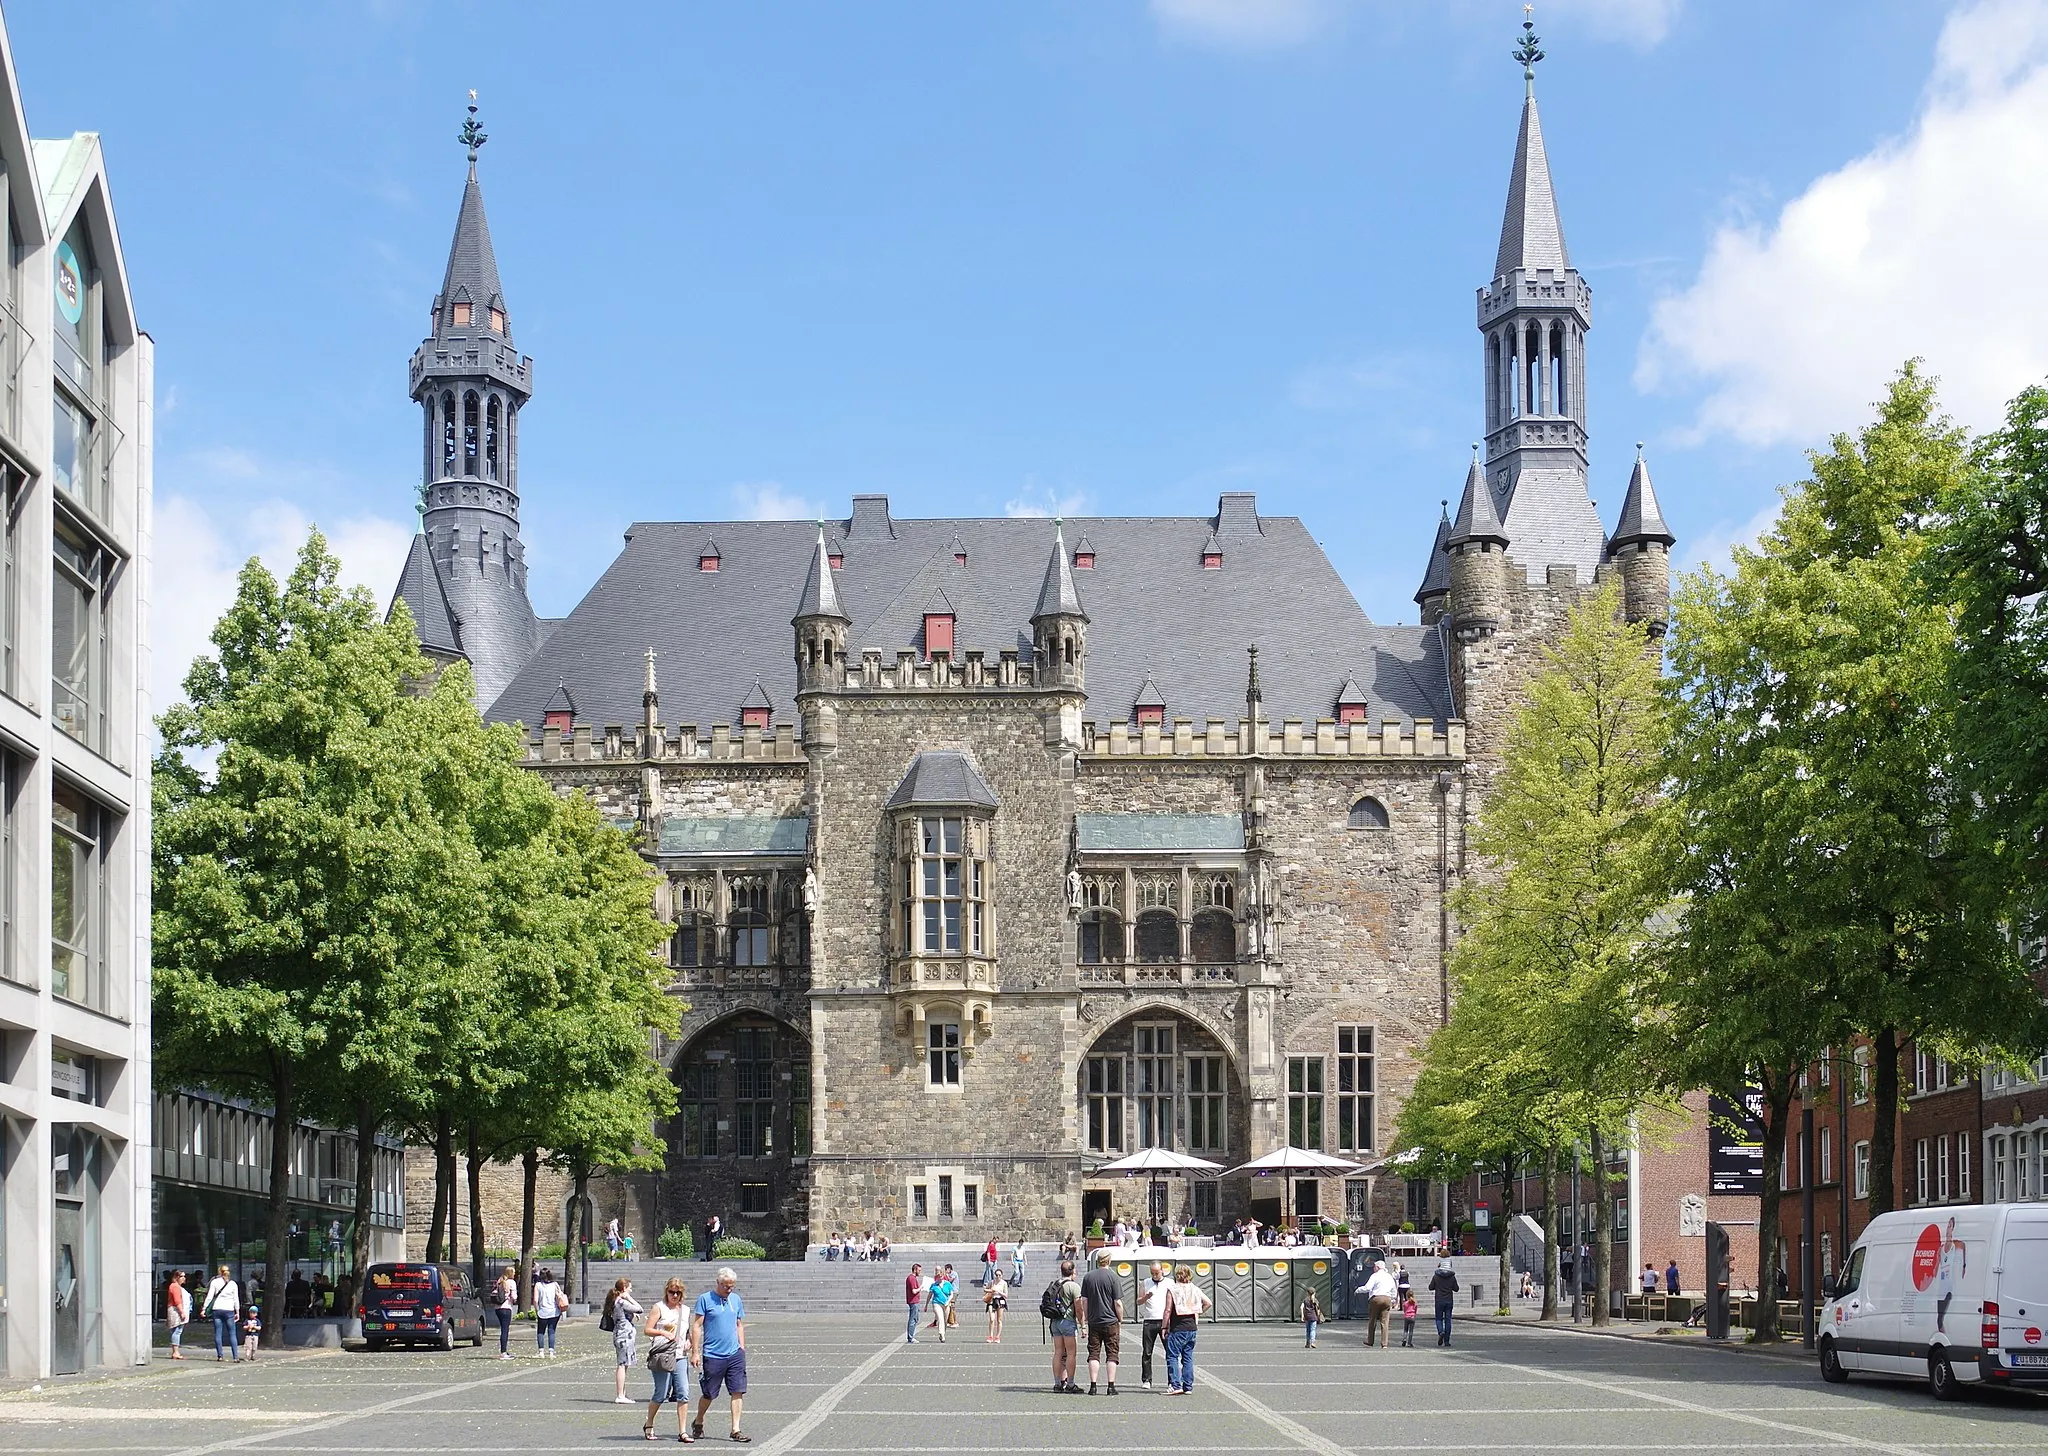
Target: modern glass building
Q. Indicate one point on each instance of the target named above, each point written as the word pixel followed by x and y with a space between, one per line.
pixel 75 465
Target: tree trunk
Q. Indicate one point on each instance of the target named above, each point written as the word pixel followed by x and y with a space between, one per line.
pixel 476 1208
pixel 1884 1122
pixel 1549 1234
pixel 366 1188
pixel 1504 1235
pixel 277 1229
pixel 575 1246
pixel 454 1193
pixel 1603 1246
pixel 444 1187
pixel 529 1167
pixel 1778 1087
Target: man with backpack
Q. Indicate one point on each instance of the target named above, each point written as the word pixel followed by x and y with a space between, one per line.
pixel 1057 1305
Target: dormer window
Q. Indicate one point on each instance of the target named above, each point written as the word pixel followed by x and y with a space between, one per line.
pixel 1084 555
pixel 708 558
pixel 461 315
pixel 560 713
pixel 756 710
pixel 938 634
pixel 1151 717
pixel 1212 553
pixel 1150 706
pixel 959 549
pixel 497 320
pixel 1350 713
pixel 838 560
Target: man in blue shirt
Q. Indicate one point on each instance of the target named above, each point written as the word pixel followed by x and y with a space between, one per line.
pixel 718 1347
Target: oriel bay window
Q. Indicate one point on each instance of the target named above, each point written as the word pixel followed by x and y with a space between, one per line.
pixel 944 885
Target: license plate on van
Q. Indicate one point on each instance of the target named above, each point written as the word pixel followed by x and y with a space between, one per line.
pixel 2027 1359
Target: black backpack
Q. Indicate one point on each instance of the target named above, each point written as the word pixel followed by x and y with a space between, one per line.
pixel 1054 1304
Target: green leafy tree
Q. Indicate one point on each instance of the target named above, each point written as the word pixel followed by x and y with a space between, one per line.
pixel 303 882
pixel 1989 558
pixel 1556 918
pixel 1826 854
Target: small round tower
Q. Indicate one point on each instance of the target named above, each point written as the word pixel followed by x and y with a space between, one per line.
pixel 1640 549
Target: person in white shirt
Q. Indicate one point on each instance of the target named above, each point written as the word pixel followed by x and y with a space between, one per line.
pixel 549 1304
pixel 1152 1310
pixel 1380 1291
pixel 1649 1278
pixel 1185 1304
pixel 223 1305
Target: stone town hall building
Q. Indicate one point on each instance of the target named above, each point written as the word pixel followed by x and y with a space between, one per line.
pixel 997 848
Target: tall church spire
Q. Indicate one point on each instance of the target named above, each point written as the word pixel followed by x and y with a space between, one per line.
pixel 1535 314
pixel 471 386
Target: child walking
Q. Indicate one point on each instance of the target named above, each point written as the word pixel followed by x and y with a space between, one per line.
pixel 1311 1316
pixel 252 1331
pixel 1408 1319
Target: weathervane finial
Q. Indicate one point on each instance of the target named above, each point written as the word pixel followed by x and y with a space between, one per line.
pixel 1529 52
pixel 472 135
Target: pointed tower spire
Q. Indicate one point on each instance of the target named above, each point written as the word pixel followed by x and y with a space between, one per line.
pixel 821 595
pixel 1057 596
pixel 1530 234
pixel 1436 578
pixel 471 386
pixel 1641 518
pixel 1478 519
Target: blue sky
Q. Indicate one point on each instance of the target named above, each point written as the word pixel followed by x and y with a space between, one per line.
pixel 1101 256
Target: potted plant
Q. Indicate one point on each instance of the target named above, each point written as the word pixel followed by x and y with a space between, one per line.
pixel 1344 1236
pixel 1096 1237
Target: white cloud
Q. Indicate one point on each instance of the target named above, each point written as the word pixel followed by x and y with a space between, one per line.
pixel 1244 25
pixel 1640 23
pixel 1036 502
pixel 198 554
pixel 765 500
pixel 1922 247
pixel 1715 546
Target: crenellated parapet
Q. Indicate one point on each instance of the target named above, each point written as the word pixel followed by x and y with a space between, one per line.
pixel 1292 738
pixel 635 743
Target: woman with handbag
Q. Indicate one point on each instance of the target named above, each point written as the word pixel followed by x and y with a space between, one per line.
pixel 505 1304
pixel 665 1361
pixel 177 1312
pixel 620 1310
pixel 223 1305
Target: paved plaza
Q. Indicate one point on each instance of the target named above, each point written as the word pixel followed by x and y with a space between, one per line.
pixel 840 1384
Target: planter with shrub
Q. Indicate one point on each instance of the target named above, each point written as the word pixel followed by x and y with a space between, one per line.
pixel 733 1247
pixel 676 1243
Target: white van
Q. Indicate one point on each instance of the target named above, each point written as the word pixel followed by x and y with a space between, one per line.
pixel 1956 1295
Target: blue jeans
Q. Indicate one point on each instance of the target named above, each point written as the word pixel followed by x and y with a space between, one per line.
pixel 504 1329
pixel 1443 1321
pixel 1311 1330
pixel 225 1340
pixel 1180 1359
pixel 672 1385
pixel 910 1324
pixel 544 1333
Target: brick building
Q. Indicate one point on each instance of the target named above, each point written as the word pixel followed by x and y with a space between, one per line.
pixel 997 848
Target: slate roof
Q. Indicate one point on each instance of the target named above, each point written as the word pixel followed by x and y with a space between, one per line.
pixel 1641 520
pixel 754 835
pixel 943 777
pixel 1436 577
pixel 1477 518
pixel 419 587
pixel 1159 831
pixel 1551 520
pixel 1530 234
pixel 820 598
pixel 473 268
pixel 1057 594
pixel 1155 612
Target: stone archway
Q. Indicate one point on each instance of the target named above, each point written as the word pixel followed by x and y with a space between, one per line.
pixel 1157 1076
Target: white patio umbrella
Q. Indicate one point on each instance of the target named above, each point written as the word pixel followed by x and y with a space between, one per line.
pixel 1157 1164
pixel 1290 1162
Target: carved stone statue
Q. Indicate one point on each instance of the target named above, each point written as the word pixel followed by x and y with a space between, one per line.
pixel 810 890
pixel 1073 889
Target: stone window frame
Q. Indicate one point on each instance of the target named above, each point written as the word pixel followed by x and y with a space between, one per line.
pixel 766 1189
pixel 977 922
pixel 944 1193
pixel 1307 1104
pixel 706 892
pixel 1187 886
pixel 1145 1052
pixel 1349 1098
pixel 1098 1095
pixel 1218 1094
pixel 944 1059
pixel 1368 812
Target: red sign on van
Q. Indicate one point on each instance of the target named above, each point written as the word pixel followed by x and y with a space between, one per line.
pixel 2033 1336
pixel 1927 1257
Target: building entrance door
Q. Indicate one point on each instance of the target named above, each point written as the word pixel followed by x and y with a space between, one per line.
pixel 67 1325
pixel 1096 1208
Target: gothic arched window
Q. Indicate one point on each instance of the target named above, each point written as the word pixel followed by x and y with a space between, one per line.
pixel 746 922
pixel 1367 813
pixel 491 439
pixel 471 431
pixel 1158 937
pixel 448 432
pixel 1102 937
pixel 1214 937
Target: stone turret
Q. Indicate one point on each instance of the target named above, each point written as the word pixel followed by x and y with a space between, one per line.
pixel 821 625
pixel 1477 546
pixel 1059 627
pixel 1435 590
pixel 1640 549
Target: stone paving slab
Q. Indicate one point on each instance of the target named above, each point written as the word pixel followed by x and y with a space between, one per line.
pixel 837 1385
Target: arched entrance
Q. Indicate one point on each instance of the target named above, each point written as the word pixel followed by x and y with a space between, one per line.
pixel 1158 1078
pixel 740 1139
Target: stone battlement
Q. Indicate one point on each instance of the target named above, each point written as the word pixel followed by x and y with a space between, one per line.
pixel 634 744
pixel 1325 738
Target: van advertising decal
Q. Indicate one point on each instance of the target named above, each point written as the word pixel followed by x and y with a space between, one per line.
pixel 2033 1335
pixel 1927 1257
